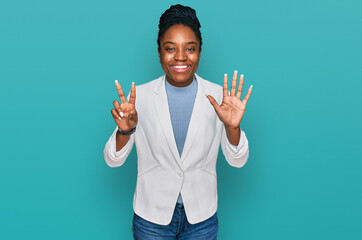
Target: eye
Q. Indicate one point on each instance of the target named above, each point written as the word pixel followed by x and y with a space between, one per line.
pixel 190 49
pixel 169 49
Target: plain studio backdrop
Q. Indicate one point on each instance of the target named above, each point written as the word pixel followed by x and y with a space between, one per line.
pixel 58 63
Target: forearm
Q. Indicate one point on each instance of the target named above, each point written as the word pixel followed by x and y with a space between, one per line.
pixel 121 141
pixel 233 135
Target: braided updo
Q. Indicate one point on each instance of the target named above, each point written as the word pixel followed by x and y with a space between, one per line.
pixel 179 14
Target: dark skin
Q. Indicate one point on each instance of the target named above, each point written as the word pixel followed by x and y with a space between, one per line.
pixel 179 55
pixel 179 47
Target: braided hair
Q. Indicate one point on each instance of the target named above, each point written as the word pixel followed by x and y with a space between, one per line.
pixel 179 14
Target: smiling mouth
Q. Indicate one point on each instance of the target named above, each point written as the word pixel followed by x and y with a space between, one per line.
pixel 181 68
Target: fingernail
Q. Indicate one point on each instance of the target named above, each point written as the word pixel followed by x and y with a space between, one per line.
pixel 116 81
pixel 121 114
pixel 119 118
pixel 242 75
pixel 251 86
pixel 235 71
pixel 225 75
pixel 132 83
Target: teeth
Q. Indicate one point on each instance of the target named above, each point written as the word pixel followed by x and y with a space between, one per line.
pixel 180 67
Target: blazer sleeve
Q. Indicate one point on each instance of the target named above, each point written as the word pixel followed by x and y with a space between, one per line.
pixel 235 156
pixel 111 156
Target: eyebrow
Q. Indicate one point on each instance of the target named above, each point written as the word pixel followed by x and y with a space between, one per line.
pixel 175 43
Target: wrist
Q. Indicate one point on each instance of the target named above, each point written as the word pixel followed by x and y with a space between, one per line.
pixel 230 129
pixel 233 134
pixel 129 132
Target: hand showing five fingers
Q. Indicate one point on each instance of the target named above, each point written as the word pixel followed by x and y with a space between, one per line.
pixel 125 114
pixel 232 109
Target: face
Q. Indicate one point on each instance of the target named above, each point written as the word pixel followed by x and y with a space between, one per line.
pixel 179 55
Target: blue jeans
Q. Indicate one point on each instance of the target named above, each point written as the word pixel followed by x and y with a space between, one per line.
pixel 179 228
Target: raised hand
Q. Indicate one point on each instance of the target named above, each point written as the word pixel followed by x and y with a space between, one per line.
pixel 125 114
pixel 232 109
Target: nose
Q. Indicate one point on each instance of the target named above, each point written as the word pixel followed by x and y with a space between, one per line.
pixel 180 55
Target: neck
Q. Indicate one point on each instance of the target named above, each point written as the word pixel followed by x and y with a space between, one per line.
pixel 180 84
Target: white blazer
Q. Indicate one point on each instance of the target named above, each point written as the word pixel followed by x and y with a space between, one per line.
pixel 162 173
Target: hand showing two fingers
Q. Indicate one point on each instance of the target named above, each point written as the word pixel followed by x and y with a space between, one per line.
pixel 232 108
pixel 125 114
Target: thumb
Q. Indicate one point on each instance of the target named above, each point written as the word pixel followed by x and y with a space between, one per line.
pixel 213 102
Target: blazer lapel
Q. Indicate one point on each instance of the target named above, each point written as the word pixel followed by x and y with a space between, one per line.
pixel 197 114
pixel 163 115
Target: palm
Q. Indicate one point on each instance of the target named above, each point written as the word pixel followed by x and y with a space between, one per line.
pixel 231 110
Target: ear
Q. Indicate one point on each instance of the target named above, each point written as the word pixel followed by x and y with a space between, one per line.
pixel 159 54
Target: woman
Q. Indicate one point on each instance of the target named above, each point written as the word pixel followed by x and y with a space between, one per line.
pixel 180 126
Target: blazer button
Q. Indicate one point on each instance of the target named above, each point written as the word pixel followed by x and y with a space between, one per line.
pixel 180 174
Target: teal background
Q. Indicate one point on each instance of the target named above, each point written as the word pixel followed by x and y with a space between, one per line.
pixel 58 63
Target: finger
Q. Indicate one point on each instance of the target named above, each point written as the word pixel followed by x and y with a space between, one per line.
pixel 213 102
pixel 118 108
pixel 124 115
pixel 131 115
pixel 132 98
pixel 115 114
pixel 120 92
pixel 121 114
pixel 116 105
pixel 240 87
pixel 133 112
pixel 248 94
pixel 225 86
pixel 233 83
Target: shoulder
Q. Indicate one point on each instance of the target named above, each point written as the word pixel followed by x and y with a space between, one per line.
pixel 149 85
pixel 210 88
pixel 208 85
pixel 146 92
